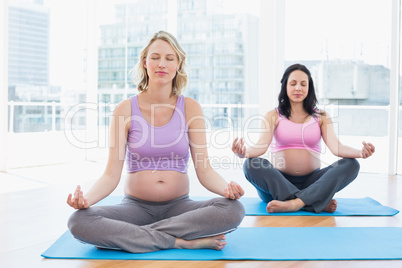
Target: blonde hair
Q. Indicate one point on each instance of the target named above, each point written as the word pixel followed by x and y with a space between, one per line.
pixel 140 72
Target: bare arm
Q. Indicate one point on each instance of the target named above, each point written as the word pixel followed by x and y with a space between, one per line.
pixel 336 147
pixel 109 180
pixel 267 129
pixel 209 178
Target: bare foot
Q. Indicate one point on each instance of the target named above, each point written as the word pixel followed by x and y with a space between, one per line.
pixel 212 242
pixel 285 206
pixel 331 207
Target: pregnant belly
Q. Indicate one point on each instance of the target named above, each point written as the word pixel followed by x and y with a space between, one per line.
pixel 157 186
pixel 296 162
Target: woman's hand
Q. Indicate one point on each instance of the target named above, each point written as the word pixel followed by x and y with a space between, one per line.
pixel 234 191
pixel 238 147
pixel 78 202
pixel 367 150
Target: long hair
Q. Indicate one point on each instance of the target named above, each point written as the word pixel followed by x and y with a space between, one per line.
pixel 140 73
pixel 309 103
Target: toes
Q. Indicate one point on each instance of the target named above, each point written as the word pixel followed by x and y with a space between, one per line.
pixel 269 209
pixel 221 245
pixel 333 205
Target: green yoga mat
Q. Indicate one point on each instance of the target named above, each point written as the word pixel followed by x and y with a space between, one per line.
pixel 346 207
pixel 263 243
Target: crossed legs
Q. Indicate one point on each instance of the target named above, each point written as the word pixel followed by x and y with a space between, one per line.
pixel 138 226
pixel 313 192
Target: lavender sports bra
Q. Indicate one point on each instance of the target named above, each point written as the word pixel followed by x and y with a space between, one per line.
pixel 157 148
pixel 289 135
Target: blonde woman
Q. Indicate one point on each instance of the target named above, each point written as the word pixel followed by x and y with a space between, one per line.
pixel 154 133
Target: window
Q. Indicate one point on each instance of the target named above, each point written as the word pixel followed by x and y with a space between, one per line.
pixel 350 63
pixel 399 148
pixel 46 78
pixel 51 64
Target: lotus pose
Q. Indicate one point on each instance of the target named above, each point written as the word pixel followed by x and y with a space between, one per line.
pixel 294 179
pixel 153 133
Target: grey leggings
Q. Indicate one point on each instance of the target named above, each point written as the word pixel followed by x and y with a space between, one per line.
pixel 315 189
pixel 140 226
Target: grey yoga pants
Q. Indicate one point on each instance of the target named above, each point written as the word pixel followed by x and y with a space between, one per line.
pixel 140 226
pixel 315 189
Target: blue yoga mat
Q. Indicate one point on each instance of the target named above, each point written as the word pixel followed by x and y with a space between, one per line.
pixel 346 207
pixel 263 243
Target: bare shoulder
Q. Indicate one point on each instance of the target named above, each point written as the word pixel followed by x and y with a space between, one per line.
pixel 122 114
pixel 322 112
pixel 323 116
pixel 123 108
pixel 272 117
pixel 192 107
pixel 272 113
pixel 194 115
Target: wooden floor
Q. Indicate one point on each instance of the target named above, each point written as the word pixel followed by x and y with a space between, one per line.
pixel 32 219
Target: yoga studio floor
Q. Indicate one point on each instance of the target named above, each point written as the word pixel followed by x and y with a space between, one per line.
pixel 34 214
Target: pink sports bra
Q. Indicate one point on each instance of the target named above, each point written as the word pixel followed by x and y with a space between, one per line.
pixel 290 135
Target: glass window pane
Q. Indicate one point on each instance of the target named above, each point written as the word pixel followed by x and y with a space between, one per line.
pixel 221 42
pixel 399 157
pixel 48 70
pixel 348 52
pixel 46 78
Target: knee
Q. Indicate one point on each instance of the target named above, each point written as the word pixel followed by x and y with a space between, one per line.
pixel 255 165
pixel 235 211
pixel 351 164
pixel 239 208
pixel 76 223
pixel 230 211
pixel 251 164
